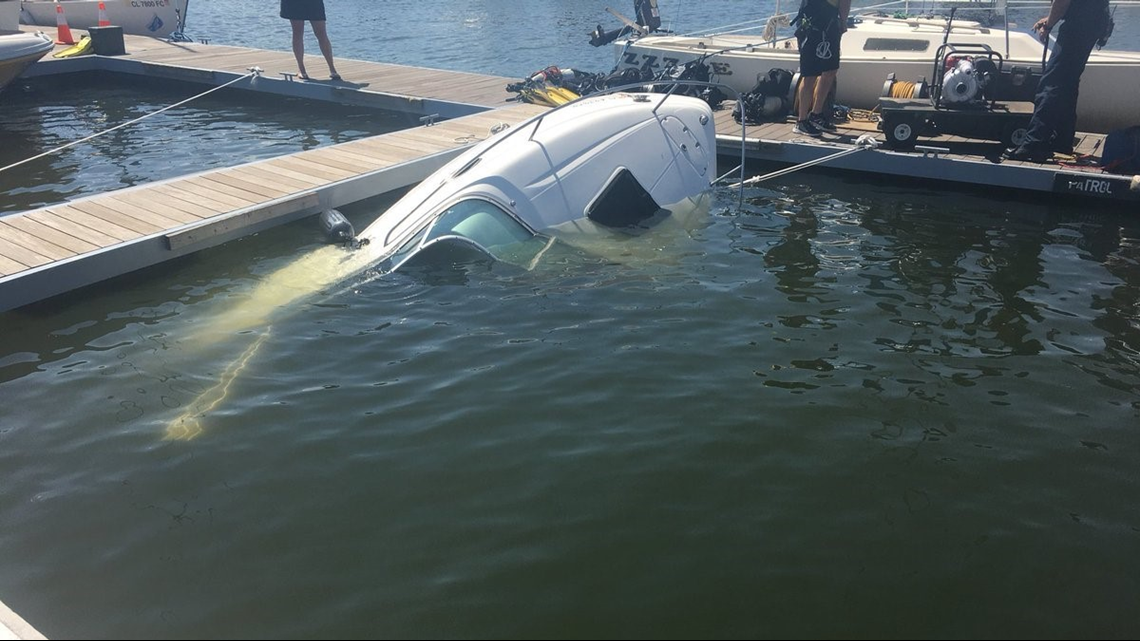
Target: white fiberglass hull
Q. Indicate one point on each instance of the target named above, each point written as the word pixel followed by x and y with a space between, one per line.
pixel 157 18
pixel 20 51
pixel 1109 92
pixel 562 175
pixel 509 196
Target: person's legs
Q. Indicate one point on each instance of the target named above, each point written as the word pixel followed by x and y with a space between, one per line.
pixel 803 106
pixel 1055 106
pixel 822 90
pixel 806 96
pixel 326 46
pixel 299 46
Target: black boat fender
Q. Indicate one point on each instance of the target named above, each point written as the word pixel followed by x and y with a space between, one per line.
pixel 338 229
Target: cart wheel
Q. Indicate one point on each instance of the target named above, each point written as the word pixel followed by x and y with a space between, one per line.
pixel 901 134
pixel 1014 135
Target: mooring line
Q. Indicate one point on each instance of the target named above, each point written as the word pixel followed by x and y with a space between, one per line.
pixel 253 71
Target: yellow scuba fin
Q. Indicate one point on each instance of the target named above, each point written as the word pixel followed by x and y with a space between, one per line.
pixel 554 96
pixel 538 96
pixel 566 94
pixel 81 48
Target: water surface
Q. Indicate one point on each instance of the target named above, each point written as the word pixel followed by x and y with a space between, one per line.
pixel 837 409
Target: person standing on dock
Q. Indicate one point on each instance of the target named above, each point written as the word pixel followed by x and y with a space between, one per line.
pixel 820 24
pixel 1054 121
pixel 297 12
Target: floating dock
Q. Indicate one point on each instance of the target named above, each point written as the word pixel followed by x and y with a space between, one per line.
pixel 60 248
pixel 945 159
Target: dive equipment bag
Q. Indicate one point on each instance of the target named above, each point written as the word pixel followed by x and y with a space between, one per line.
pixel 1121 153
pixel 768 101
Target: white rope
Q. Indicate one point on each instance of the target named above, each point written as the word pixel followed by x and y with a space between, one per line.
pixel 774 23
pixel 255 71
pixel 864 142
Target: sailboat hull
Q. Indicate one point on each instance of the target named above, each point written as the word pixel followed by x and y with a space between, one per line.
pixel 876 47
pixel 158 18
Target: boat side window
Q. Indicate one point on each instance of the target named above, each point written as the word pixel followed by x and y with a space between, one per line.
pixel 482 222
pixel 896 44
pixel 407 248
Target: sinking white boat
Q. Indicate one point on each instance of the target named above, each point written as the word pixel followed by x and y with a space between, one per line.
pixel 609 165
pixel 606 164
pixel 20 51
pixel 618 161
pixel 158 18
pixel 878 45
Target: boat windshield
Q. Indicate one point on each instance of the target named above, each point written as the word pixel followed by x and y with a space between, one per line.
pixel 483 224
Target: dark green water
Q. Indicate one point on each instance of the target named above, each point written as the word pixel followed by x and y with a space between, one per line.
pixel 840 411
pixel 222 129
pixel 844 409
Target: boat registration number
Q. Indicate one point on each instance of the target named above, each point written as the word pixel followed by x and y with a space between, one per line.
pixel 1095 186
pixel 651 62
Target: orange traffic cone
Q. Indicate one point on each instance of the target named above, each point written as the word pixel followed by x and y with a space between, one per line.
pixel 63 32
pixel 103 21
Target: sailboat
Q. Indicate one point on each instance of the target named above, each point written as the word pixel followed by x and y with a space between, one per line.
pixel 878 44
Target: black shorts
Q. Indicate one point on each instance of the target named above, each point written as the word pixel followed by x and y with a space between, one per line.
pixel 303 9
pixel 818 42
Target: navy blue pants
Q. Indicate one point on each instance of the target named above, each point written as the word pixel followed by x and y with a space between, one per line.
pixel 1054 121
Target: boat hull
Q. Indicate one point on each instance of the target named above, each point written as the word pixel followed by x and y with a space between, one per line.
pixel 1108 99
pixel 18 52
pixel 551 171
pixel 158 18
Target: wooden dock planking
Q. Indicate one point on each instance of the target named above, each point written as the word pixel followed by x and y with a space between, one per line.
pixel 64 239
pixel 228 178
pixel 22 255
pixel 327 160
pixel 200 184
pixel 304 166
pixel 156 206
pixel 10 267
pixel 199 203
pixel 141 226
pixel 93 228
pixel 281 176
pixel 158 203
pixel 379 78
pixel 33 243
pixel 362 162
pixel 236 221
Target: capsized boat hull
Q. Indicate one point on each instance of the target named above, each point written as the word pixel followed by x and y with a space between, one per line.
pixel 600 165
pixel 20 51
pixel 611 162
pixel 879 46
pixel 509 196
pixel 158 18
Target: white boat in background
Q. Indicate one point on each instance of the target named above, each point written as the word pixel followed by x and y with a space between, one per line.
pixel 878 45
pixel 20 51
pixel 158 18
